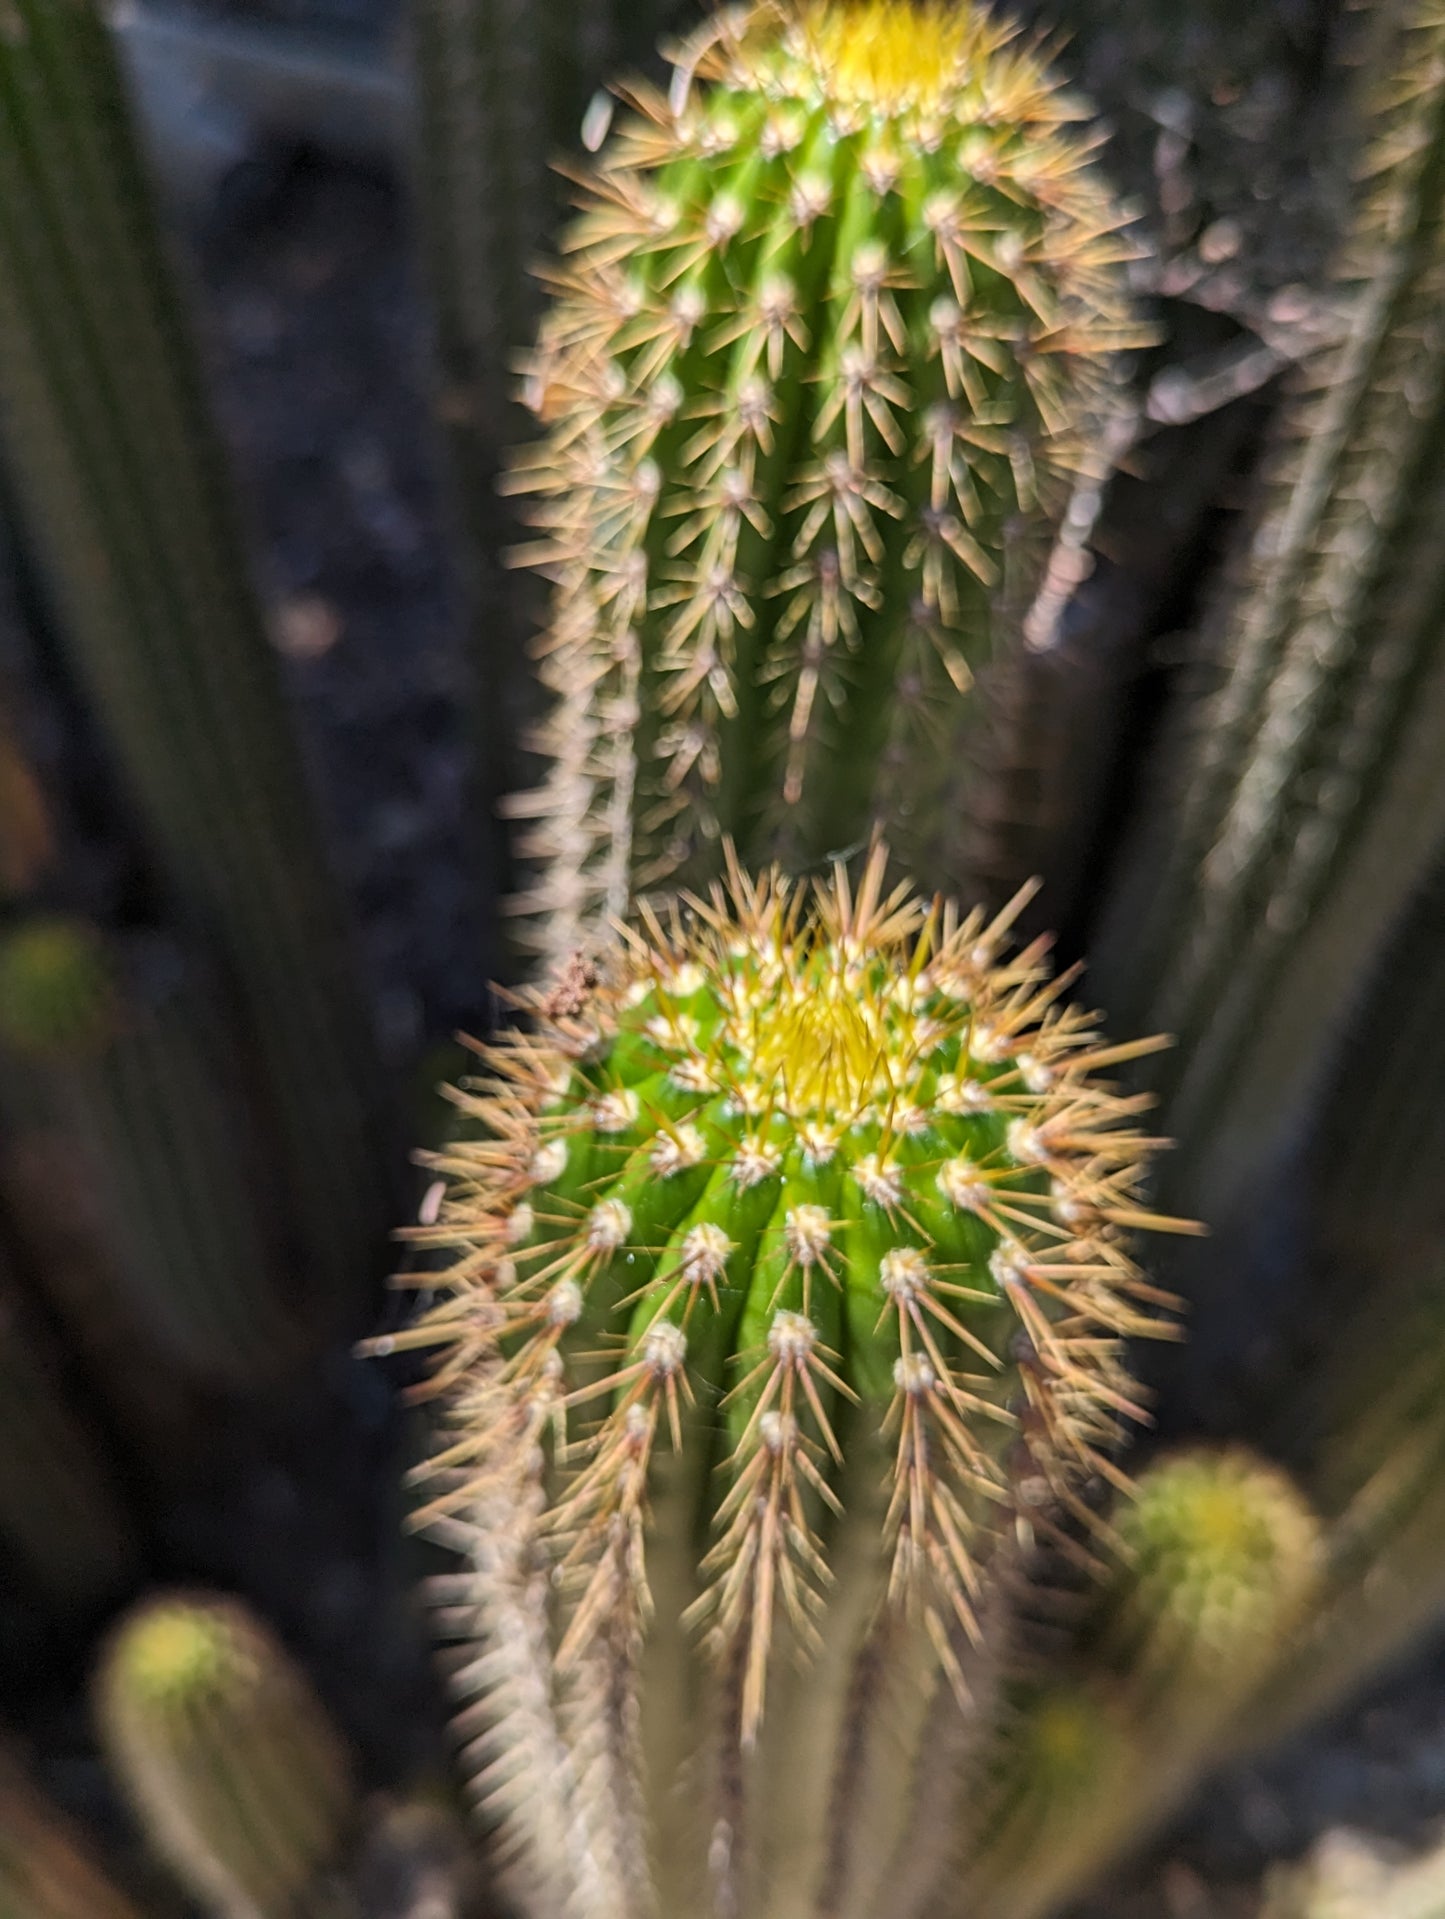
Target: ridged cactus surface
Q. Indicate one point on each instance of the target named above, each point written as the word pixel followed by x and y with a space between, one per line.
pixel 1306 797
pixel 830 341
pixel 46 1868
pixel 789 1261
pixel 235 1773
pixel 121 493
pixel 121 1049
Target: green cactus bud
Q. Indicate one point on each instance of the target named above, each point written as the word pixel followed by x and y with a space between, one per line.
pixel 788 1264
pixel 227 1755
pixel 57 989
pixel 46 1869
pixel 1223 1556
pixel 831 342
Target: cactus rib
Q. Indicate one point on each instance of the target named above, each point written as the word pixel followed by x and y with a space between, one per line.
pixel 830 341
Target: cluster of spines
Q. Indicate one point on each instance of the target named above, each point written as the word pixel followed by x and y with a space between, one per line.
pixel 228 1757
pixel 826 350
pixel 835 1176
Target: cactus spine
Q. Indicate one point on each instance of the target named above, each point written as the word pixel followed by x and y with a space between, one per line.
pixel 46 1869
pixel 121 491
pixel 1308 798
pixel 234 1770
pixel 831 339
pixel 129 1068
pixel 797 1228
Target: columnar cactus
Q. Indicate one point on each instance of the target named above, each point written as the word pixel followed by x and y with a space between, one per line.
pixel 789 1276
pixel 831 340
pixel 1306 802
pixel 46 1868
pixel 233 1768
pixel 130 1062
pixel 121 490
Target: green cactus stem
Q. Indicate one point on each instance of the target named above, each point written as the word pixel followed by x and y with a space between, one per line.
pixel 60 1509
pixel 119 1050
pixel 789 1279
pixel 831 343
pixel 227 1756
pixel 1307 801
pixel 120 488
pixel 47 1871
pixel 1215 1563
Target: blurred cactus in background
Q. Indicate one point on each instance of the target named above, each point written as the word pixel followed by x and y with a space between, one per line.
pixel 61 1511
pixel 825 1192
pixel 128 1070
pixel 228 1758
pixel 1304 798
pixel 121 489
pixel 831 342
pixel 46 1868
pixel 1212 1569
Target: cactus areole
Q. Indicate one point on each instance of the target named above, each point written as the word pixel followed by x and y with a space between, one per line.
pixel 829 344
pixel 802 1205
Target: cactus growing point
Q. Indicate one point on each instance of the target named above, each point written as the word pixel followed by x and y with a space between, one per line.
pixel 797 1225
pixel 831 341
pixel 234 1770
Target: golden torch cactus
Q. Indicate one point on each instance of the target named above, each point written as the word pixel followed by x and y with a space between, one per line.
pixel 790 1277
pixel 831 343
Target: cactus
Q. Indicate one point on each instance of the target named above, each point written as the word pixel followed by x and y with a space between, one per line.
pixel 1216 1562
pixel 61 1512
pixel 120 1049
pixel 1306 795
pixel 1221 1558
pixel 797 1226
pixel 46 1868
pixel 121 491
pixel 501 89
pixel 832 339
pixel 227 1756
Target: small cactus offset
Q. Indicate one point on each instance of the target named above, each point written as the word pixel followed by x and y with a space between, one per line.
pixel 831 340
pixel 789 1244
pixel 227 1756
pixel 1222 1557
pixel 46 1868
pixel 1215 1562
